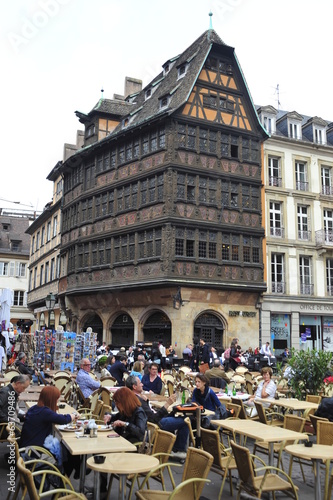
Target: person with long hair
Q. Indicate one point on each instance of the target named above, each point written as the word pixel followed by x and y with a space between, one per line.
pixel 203 395
pixel 38 425
pixel 130 421
pixel 137 369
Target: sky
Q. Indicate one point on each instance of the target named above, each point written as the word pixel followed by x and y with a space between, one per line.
pixel 57 55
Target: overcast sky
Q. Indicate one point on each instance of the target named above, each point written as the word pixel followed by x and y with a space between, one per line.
pixel 58 54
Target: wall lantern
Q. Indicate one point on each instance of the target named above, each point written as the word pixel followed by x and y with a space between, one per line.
pixel 177 299
pixel 50 301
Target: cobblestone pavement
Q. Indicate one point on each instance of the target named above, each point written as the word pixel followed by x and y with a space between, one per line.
pixel 210 491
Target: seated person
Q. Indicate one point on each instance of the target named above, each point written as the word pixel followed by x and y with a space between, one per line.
pixel 265 390
pixel 266 352
pixel 20 364
pixel 130 421
pixel 217 371
pixel 118 369
pixel 152 382
pixel 38 425
pixel 203 395
pixel 8 404
pixel 137 369
pixel 162 418
pixel 86 383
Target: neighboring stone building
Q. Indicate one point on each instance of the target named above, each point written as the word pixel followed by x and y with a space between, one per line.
pixel 162 221
pixel 14 260
pixel 45 251
pixel 298 178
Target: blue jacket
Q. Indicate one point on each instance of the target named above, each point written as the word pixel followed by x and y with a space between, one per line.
pixel 208 399
pixel 38 424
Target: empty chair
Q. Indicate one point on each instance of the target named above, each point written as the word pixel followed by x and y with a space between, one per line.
pixel 196 469
pixel 27 482
pixel 268 417
pixel 314 420
pixel 223 462
pixel 108 381
pixel 254 484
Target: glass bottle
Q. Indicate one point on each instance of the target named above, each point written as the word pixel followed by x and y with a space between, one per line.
pixel 183 397
pixel 234 390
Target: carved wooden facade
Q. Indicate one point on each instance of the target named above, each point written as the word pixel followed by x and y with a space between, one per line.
pixel 174 199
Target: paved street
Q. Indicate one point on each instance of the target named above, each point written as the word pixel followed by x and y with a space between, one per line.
pixel 210 491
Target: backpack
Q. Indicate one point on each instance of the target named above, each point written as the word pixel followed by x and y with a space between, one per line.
pixel 227 353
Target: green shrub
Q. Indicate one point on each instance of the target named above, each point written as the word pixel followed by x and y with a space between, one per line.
pixel 308 371
pixel 102 360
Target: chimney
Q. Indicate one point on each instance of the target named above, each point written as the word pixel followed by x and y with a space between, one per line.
pixel 132 86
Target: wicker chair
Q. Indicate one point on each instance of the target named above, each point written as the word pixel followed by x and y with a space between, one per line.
pixel 108 381
pixel 223 462
pixel 291 422
pixel 325 436
pixel 27 481
pixel 196 469
pixel 314 420
pixel 162 445
pixel 253 484
pixel 268 418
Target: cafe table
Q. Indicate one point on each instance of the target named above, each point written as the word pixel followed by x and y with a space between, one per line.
pixel 32 396
pixel 318 453
pixel 122 464
pixel 84 445
pixel 261 432
pixel 64 408
pixel 295 405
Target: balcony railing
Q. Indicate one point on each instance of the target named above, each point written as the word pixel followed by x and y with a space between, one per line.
pixel 278 287
pixel 302 186
pixel 277 232
pixel 324 237
pixel 306 289
pixel 275 181
pixel 304 235
pixel 327 190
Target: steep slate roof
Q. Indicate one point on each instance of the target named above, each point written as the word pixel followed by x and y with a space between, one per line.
pixel 107 106
pixel 179 89
pixel 15 232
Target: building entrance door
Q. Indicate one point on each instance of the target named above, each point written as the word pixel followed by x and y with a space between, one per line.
pixel 210 328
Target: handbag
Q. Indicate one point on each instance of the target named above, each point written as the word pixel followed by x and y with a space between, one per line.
pixel 203 368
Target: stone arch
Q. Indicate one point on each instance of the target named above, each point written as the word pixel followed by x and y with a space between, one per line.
pixel 122 330
pixel 211 326
pixel 94 321
pixel 156 326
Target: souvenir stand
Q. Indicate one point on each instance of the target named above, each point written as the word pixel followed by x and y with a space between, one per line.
pixel 64 350
pixel 44 353
pixel 26 343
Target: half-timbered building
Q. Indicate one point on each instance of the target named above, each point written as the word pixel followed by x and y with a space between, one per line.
pixel 162 230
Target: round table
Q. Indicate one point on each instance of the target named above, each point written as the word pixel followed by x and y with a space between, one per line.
pixel 122 464
pixel 317 453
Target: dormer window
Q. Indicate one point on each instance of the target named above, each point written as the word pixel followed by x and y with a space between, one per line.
pixel 294 130
pixel 166 69
pixel 319 135
pixel 164 101
pixel 182 71
pixel 269 123
pixel 148 94
pixel 126 122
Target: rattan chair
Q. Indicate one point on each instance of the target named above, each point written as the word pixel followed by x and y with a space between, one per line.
pixel 108 381
pixel 253 484
pixel 313 398
pixel 162 445
pixel 223 462
pixel 268 417
pixel 10 373
pixel 196 469
pixel 27 481
pixel 291 422
pixel 314 420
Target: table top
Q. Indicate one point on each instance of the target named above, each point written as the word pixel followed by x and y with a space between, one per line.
pixel 315 452
pixel 291 404
pixel 124 463
pixel 239 395
pixel 259 431
pixel 101 444
pixel 32 396
pixel 62 411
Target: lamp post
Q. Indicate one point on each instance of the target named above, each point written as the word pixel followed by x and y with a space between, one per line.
pixel 50 301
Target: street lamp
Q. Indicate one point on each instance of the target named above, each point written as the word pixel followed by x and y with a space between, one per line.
pixel 50 301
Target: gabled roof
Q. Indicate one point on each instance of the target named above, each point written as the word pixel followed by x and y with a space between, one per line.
pixel 169 84
pixel 114 107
